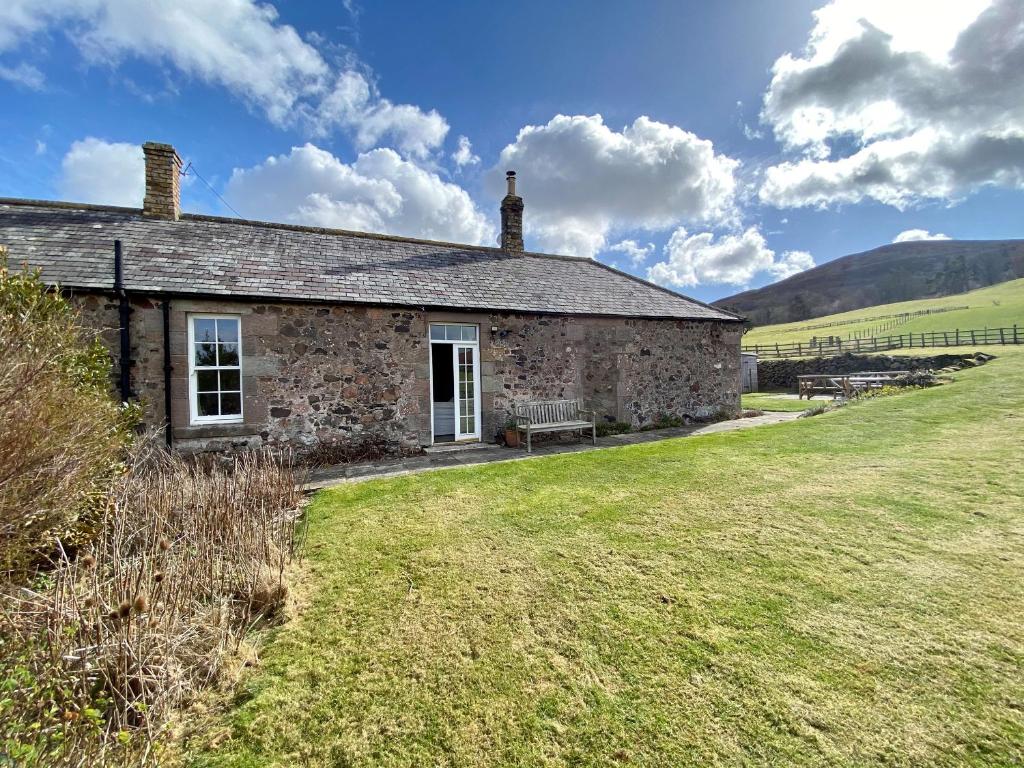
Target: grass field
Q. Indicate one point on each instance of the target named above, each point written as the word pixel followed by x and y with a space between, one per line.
pixel 996 306
pixel 771 401
pixel 841 590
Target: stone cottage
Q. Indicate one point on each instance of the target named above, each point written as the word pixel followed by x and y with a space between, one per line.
pixel 240 333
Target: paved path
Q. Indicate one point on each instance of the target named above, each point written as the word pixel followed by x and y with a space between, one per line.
pixel 482 453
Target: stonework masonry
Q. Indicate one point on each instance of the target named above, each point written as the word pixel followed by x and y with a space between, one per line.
pixel 316 373
pixel 163 181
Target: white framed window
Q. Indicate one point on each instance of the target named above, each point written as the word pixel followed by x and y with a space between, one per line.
pixel 215 368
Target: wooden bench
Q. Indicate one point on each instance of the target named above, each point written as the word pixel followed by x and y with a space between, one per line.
pixel 553 416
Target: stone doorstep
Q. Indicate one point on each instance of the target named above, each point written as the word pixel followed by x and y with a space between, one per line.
pixel 485 453
pixel 457 447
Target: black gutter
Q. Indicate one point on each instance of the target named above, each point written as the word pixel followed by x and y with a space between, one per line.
pixel 168 369
pixel 124 312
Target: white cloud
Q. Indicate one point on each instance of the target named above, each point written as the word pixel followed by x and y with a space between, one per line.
pixel 463 154
pixel 379 192
pixel 734 259
pixel 24 75
pixel 881 105
pixel 637 253
pixel 241 45
pixel 95 171
pixel 581 180
pixel 791 263
pixel 355 104
pixel 40 147
pixel 908 235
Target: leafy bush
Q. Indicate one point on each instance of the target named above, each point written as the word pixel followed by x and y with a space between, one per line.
pixel 61 434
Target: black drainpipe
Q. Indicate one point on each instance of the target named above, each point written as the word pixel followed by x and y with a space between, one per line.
pixel 168 368
pixel 124 312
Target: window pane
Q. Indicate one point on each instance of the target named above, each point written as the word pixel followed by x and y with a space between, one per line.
pixel 437 332
pixel 208 404
pixel 230 404
pixel 469 333
pixel 227 330
pixel 205 330
pixel 206 381
pixel 229 354
pixel 229 381
pixel 206 354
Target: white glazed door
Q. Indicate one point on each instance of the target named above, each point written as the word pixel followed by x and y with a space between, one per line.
pixel 467 392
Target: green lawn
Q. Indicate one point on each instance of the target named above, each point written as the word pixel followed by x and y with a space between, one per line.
pixel 996 306
pixel 772 401
pixel 841 590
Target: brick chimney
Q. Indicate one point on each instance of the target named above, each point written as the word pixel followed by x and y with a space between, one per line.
pixel 163 181
pixel 512 217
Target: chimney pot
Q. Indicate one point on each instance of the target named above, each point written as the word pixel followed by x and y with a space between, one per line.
pixel 163 181
pixel 512 217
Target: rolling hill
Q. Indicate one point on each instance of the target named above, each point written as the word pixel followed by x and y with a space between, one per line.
pixel 995 306
pixel 892 273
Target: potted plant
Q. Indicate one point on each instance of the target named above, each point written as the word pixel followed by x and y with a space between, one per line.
pixel 511 433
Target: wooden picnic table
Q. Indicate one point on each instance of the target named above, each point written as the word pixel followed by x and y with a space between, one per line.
pixel 845 384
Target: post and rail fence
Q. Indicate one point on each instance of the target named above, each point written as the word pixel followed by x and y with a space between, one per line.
pixel 834 346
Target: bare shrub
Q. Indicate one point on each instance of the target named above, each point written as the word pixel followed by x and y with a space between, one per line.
pixel 371 447
pixel 185 561
pixel 61 434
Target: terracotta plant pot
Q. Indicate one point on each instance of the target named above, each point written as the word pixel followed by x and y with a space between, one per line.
pixel 512 438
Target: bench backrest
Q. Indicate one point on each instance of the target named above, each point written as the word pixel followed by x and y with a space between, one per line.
pixel 549 411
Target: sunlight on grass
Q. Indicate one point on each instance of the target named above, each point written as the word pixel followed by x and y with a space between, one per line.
pixel 774 401
pixel 995 306
pixel 842 590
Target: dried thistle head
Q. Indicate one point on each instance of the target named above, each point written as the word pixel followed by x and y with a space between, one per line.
pixel 141 603
pixel 153 622
pixel 90 601
pixel 88 561
pixel 158 576
pixel 124 609
pixel 112 615
pixel 164 544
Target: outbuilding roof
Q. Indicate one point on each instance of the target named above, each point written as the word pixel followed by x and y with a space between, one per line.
pixel 73 244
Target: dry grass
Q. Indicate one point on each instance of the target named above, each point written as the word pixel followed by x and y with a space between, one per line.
pixel 186 561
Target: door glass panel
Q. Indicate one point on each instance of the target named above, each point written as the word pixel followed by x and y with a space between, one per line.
pixel 467 404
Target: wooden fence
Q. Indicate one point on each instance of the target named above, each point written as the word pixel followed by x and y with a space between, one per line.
pixel 902 317
pixel 830 347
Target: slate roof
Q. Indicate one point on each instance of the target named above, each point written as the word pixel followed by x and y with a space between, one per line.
pixel 205 255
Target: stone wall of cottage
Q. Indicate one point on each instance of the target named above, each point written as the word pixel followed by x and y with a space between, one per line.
pixel 319 374
pixel 628 370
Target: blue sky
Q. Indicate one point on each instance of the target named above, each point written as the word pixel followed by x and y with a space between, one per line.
pixel 710 147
